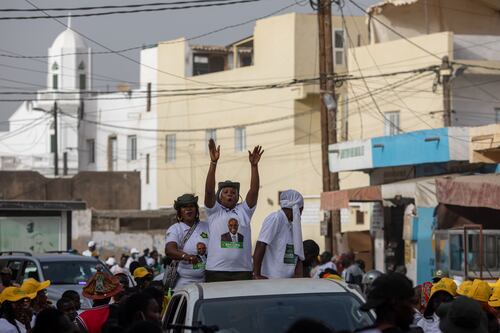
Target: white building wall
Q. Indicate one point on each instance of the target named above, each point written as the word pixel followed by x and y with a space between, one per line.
pixel 474 100
pixel 127 111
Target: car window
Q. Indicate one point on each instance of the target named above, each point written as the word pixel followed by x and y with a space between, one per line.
pixel 69 272
pixel 16 265
pixel 180 316
pixel 275 313
pixel 171 310
pixel 30 271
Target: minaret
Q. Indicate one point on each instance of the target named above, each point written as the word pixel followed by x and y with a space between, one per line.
pixel 69 62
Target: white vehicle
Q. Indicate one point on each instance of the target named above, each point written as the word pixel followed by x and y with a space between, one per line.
pixel 264 306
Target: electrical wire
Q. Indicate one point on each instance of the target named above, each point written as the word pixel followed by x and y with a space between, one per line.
pixel 204 5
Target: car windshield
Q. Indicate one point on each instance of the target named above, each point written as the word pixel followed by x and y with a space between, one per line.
pixel 68 272
pixel 275 313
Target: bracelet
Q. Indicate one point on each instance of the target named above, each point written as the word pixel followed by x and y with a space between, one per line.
pixel 213 163
pixel 183 256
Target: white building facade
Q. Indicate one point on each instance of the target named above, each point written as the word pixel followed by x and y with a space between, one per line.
pixel 83 121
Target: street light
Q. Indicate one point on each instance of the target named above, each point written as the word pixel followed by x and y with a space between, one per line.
pixel 329 101
pixel 56 157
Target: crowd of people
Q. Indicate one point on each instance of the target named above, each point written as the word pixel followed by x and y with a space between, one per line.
pixel 136 293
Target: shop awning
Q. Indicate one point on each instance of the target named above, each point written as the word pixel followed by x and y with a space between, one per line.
pixel 470 191
pixel 423 190
pixel 340 199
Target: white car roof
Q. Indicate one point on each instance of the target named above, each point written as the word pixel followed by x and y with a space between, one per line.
pixel 264 287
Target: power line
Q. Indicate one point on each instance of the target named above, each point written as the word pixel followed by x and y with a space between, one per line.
pixel 236 25
pixel 72 9
pixel 219 4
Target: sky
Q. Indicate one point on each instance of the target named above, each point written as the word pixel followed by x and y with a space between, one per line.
pixel 34 37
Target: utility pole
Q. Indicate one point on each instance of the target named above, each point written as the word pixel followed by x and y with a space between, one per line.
pixel 328 115
pixel 56 157
pixel 445 72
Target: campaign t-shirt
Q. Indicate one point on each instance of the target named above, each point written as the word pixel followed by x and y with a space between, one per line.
pixel 279 260
pixel 196 245
pixel 230 246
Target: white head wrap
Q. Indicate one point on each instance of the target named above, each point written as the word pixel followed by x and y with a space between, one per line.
pixel 294 200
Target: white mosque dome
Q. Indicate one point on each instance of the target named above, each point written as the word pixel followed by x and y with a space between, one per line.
pixel 68 39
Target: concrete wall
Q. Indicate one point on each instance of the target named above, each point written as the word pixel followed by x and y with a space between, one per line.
pixel 101 190
pixel 474 100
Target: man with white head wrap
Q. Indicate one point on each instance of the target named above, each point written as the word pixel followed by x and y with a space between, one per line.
pixel 279 252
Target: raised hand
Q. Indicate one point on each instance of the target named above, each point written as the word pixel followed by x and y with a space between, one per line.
pixel 254 156
pixel 214 152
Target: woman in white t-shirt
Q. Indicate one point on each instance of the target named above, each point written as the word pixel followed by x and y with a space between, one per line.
pixel 193 254
pixel 230 246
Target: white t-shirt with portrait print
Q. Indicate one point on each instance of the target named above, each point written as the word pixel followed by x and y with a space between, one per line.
pixel 189 273
pixel 226 251
pixel 279 260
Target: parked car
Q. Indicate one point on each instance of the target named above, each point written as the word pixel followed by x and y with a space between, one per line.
pixel 265 306
pixel 65 271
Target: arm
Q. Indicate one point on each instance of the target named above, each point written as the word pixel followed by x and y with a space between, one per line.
pixel 253 193
pixel 172 251
pixel 258 256
pixel 299 269
pixel 210 182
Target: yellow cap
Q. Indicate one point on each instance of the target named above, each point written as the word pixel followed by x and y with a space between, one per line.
pixel 332 277
pixel 479 291
pixel 141 272
pixel 464 287
pixel 445 284
pixel 33 286
pixel 494 284
pixel 14 294
pixel 495 298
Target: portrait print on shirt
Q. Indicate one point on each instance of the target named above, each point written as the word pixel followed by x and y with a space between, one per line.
pixel 232 239
pixel 290 257
pixel 201 251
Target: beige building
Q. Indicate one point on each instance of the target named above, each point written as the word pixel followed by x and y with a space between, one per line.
pixel 285 121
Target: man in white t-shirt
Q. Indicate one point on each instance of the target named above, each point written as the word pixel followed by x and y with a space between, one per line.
pixel 279 251
pixel 230 246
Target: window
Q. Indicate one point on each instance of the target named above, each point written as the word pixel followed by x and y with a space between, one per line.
pixel 497 115
pixel 170 148
pixel 339 47
pixel 112 153
pixel 131 147
pixel 55 83
pixel 147 168
pixel 240 139
pixel 30 271
pixel 91 151
pixel 83 82
pixel 208 63
pixel 52 143
pixel 81 66
pixel 148 101
pixel 55 66
pixel 210 134
pixel 391 123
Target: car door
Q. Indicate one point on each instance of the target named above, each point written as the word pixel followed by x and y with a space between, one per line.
pixel 169 317
pixel 180 315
